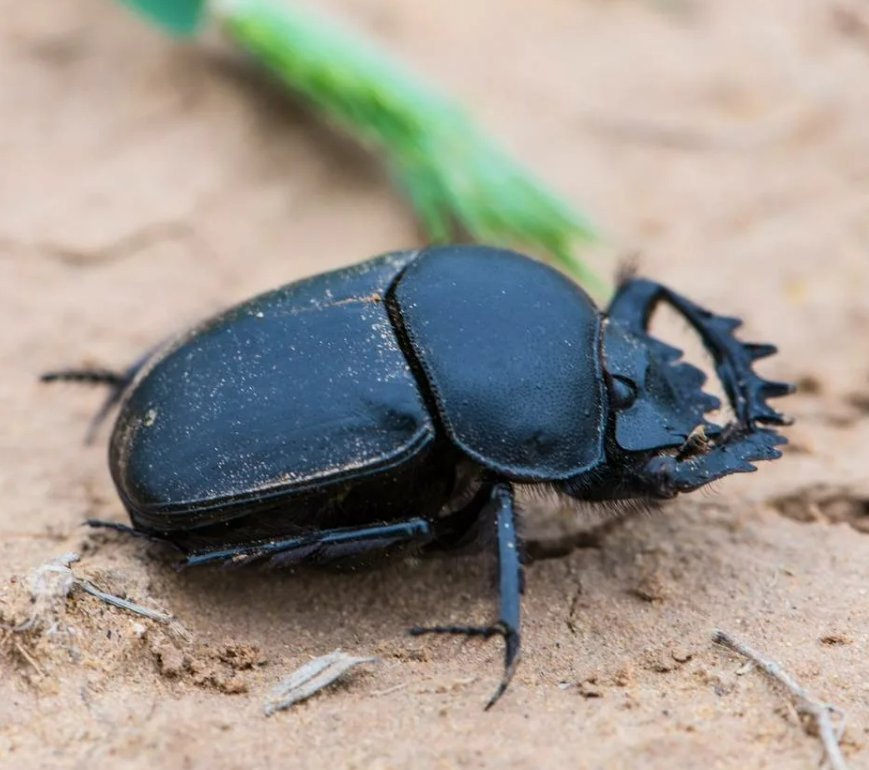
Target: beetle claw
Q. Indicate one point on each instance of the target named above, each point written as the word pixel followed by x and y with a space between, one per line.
pixel 511 660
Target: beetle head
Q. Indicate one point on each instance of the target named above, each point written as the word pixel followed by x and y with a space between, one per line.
pixel 656 400
pixel 660 441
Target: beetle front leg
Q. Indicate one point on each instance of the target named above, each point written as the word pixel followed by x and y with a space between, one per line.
pixel 510 589
pixel 665 476
pixel 632 307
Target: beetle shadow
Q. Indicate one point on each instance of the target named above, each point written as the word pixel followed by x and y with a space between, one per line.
pixel 371 609
pixel 317 609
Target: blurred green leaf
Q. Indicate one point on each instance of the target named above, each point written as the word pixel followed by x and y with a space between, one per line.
pixel 460 183
pixel 180 17
pixel 458 180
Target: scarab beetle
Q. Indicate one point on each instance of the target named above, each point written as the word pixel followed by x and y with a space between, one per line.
pixel 395 403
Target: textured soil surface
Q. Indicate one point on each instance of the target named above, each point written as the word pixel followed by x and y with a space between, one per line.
pixel 144 185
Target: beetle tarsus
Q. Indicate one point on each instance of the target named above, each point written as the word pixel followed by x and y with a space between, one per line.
pixel 87 377
pixel 485 631
pixel 511 648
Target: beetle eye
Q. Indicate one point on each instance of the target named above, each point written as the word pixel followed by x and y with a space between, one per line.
pixel 623 392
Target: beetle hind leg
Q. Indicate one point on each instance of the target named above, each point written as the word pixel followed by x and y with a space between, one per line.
pixel 116 381
pixel 318 547
pixel 510 588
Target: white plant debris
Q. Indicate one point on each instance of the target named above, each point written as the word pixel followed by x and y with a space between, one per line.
pixel 50 584
pixel 310 678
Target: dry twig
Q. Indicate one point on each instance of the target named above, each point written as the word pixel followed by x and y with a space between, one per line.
pixel 124 604
pixel 29 658
pixel 52 582
pixel 821 712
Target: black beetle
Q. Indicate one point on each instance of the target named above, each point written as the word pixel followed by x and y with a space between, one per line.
pixel 396 403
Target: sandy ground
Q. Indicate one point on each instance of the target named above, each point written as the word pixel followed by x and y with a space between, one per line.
pixel 143 186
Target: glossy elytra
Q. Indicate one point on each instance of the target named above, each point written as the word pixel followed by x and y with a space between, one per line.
pixel 394 404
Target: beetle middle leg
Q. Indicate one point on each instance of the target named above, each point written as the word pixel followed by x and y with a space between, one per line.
pixel 510 589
